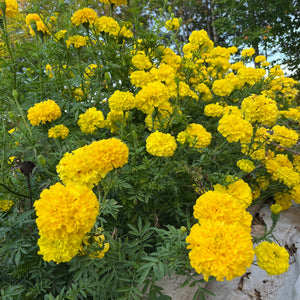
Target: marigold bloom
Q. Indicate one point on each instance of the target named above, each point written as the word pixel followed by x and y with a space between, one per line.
pixel 11 8
pixel 66 211
pixel 141 61
pixel 247 52
pixel 154 94
pixel 222 87
pixel 215 206
pixel 58 250
pixel 77 41
pixel 204 91
pixel 284 136
pixel 58 131
pixel 91 120
pixel 251 75
pixel 45 111
pixel 260 58
pixel 161 144
pixel 107 25
pixel 140 78
pixel 258 108
pixel 35 20
pixel 172 24
pixel 5 205
pixel 121 101
pixel 272 258
pixel 201 40
pixel 246 165
pixel 84 16
pixel 235 129
pixel 239 189
pixel 89 164
pixel 195 135
pixel 284 199
pixel 220 250
pixel 275 209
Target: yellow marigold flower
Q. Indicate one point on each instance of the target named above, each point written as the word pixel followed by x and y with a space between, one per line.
pixel 127 33
pixel 276 209
pixel 222 207
pixel 115 2
pixel 84 16
pixel 154 94
pixel 201 40
pixel 239 189
pixel 140 78
pixel 170 57
pixel 89 164
pixel 213 110
pixel 232 49
pixel 222 87
pixel 11 131
pixel 30 20
pixel 60 34
pixel 265 64
pixel 236 66
pixel 251 75
pixel 77 41
pixel 247 52
pixel 235 129
pixel 276 71
pixel 220 250
pixel 204 91
pixel 164 73
pixel 5 205
pixel 58 131
pixel 195 135
pixel 172 24
pixel 114 120
pixel 284 199
pixel 258 108
pixel 141 61
pixel 11 8
pixel 91 120
pixel 45 111
pixel 107 25
pixel 272 258
pixel 260 58
pixel 58 250
pixel 121 101
pixel 246 165
pixel 184 90
pixel 66 211
pixel 295 192
pixel 284 136
pixel 161 144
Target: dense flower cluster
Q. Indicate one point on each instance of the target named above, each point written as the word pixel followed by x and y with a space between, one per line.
pixel 195 135
pixel 64 215
pixel 89 164
pixel 58 131
pixel 91 120
pixel 115 2
pixel 248 52
pixel 115 119
pixel 272 258
pixel 45 111
pixel 11 8
pixel 161 144
pixel 77 41
pixel 284 136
